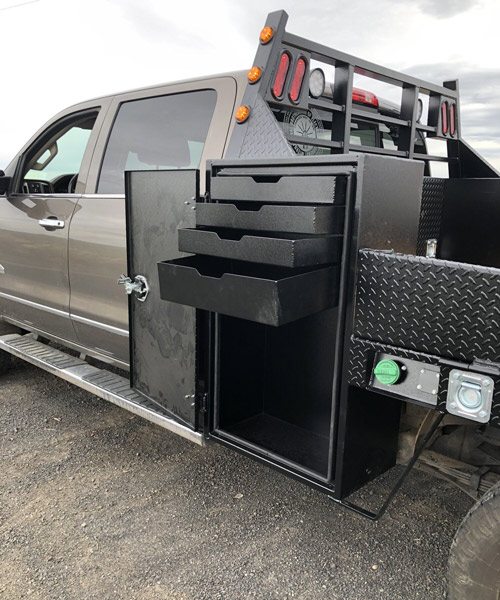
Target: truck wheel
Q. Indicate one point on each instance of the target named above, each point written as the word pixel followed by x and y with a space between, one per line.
pixel 4 361
pixel 474 566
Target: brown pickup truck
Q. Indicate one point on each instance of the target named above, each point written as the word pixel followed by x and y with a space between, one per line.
pixel 300 287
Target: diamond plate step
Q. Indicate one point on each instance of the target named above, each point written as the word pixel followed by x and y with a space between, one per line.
pixel 99 382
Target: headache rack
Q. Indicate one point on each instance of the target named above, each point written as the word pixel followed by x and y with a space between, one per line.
pixel 252 138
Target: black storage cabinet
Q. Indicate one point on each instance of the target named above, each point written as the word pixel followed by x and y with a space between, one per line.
pixel 273 261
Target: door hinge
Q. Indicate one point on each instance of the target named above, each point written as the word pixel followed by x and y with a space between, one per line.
pixel 204 403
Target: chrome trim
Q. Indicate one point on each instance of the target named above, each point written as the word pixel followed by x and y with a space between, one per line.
pixel 49 309
pixel 79 369
pixel 103 196
pixel 99 325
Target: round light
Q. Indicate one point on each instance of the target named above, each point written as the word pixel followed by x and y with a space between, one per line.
pixel 317 83
pixel 469 396
pixel 420 109
pixel 266 35
pixel 254 74
pixel 242 114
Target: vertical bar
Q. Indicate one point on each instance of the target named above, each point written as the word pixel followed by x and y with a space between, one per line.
pixel 453 145
pixel 409 107
pixel 342 94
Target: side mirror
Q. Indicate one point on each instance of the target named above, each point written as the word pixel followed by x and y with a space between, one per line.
pixel 4 182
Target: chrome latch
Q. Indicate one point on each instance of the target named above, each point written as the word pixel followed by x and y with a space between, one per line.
pixel 138 286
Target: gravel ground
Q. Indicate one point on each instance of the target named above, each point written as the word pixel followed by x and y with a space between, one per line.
pixel 97 503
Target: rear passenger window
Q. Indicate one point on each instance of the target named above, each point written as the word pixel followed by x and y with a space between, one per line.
pixel 165 132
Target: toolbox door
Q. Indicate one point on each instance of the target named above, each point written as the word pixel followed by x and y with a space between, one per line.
pixel 162 334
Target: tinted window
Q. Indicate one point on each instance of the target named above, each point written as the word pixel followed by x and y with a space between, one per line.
pixel 166 132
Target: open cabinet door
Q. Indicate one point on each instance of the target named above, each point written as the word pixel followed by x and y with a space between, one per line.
pixel 162 334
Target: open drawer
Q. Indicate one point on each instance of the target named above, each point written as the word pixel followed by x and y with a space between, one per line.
pixel 315 220
pixel 269 295
pixel 281 249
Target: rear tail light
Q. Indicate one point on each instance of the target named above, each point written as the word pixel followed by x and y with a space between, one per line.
pixel 298 78
pixel 452 120
pixel 279 81
pixel 444 117
pixel 365 97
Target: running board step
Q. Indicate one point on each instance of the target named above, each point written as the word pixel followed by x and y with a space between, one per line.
pixel 102 383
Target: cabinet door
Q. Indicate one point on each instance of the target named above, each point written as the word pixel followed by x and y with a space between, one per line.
pixel 163 344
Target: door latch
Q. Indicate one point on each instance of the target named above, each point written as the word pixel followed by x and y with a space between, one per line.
pixel 138 286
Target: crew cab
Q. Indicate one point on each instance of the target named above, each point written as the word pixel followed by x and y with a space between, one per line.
pixel 62 226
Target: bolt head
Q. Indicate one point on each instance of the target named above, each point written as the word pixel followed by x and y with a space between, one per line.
pixel 486 382
pixel 456 375
pixel 419 387
pixel 453 405
pixel 434 391
pixel 483 414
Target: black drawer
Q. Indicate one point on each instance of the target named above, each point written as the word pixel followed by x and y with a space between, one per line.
pixel 269 295
pixel 281 249
pixel 314 189
pixel 278 217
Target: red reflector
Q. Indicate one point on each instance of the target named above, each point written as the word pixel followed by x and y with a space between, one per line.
pixel 444 117
pixel 279 81
pixel 363 96
pixel 298 78
pixel 452 119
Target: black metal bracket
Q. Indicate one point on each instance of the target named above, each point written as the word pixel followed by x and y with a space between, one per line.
pixel 375 516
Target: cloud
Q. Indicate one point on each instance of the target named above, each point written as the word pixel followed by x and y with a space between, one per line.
pixel 445 9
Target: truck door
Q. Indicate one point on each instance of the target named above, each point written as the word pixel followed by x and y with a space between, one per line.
pixel 172 127
pixel 35 220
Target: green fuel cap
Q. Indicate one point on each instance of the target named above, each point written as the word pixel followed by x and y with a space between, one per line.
pixel 387 372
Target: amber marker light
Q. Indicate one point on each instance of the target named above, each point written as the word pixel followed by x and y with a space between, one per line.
pixel 266 35
pixel 242 114
pixel 254 74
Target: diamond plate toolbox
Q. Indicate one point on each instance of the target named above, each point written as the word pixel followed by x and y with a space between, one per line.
pixel 427 310
pixel 434 306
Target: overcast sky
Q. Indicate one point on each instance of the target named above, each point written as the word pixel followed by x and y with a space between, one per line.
pixel 59 52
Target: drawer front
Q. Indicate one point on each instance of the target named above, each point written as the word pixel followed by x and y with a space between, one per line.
pixel 304 189
pixel 269 295
pixel 292 250
pixel 295 219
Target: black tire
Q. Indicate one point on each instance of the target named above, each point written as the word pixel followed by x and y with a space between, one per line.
pixel 474 567
pixel 4 361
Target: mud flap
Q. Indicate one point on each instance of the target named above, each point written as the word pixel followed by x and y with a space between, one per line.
pixel 162 334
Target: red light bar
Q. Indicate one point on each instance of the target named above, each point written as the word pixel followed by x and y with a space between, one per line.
pixel 363 96
pixel 298 78
pixel 452 120
pixel 444 117
pixel 279 81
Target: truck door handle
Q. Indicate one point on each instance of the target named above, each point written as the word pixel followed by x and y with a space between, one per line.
pixel 51 223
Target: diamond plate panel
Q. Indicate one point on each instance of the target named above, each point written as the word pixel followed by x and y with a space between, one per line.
pixel 433 306
pixel 264 137
pixel 431 210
